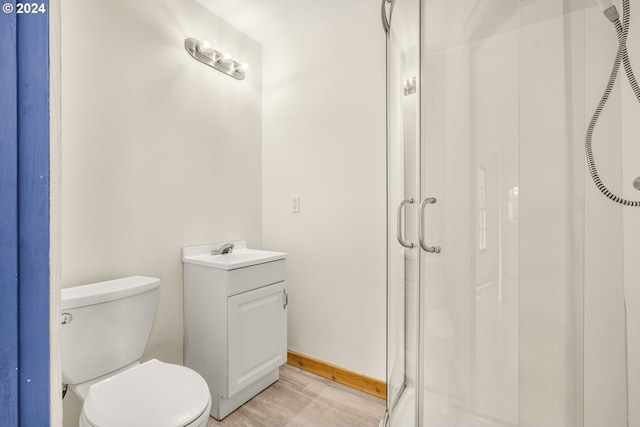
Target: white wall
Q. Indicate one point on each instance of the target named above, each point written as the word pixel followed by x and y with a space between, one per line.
pixel 159 151
pixel 577 251
pixel 611 248
pixel 324 140
pixel 631 220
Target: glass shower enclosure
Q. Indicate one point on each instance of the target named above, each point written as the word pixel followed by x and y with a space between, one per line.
pixel 511 279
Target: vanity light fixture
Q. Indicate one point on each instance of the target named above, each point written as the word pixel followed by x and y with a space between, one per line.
pixel 224 62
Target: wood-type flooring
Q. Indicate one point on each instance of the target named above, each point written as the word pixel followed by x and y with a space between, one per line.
pixel 303 399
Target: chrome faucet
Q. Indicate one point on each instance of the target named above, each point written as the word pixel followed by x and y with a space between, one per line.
pixel 224 248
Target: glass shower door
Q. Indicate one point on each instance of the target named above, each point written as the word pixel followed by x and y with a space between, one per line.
pixel 468 214
pixel 402 190
pixel 453 209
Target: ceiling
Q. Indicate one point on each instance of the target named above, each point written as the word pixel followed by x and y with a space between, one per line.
pixel 266 20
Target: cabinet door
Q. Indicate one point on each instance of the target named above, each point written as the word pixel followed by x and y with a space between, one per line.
pixel 257 334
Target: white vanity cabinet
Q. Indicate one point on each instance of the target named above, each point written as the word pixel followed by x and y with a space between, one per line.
pixel 235 321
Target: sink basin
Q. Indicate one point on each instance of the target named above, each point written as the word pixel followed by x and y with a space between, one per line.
pixel 239 258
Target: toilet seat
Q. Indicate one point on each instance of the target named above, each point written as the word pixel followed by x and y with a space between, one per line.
pixel 153 394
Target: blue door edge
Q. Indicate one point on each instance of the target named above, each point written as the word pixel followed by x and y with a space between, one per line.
pixel 33 218
pixel 8 223
pixel 24 265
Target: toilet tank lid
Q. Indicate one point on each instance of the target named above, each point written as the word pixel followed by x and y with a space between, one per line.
pixel 111 290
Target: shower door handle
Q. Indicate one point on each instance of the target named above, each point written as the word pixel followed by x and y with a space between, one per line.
pixel 423 245
pixel 400 216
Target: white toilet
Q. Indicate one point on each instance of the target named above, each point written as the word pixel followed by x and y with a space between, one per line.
pixel 105 327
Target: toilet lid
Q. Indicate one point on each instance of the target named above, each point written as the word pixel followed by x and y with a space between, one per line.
pixel 153 394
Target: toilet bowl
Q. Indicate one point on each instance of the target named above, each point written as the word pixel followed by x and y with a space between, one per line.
pixel 105 327
pixel 151 394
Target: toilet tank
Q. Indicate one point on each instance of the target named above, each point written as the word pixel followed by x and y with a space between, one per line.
pixel 105 326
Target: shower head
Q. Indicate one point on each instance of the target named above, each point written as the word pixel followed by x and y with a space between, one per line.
pixel 609 10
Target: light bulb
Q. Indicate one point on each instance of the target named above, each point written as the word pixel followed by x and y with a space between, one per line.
pixel 237 68
pixel 226 57
pixel 205 47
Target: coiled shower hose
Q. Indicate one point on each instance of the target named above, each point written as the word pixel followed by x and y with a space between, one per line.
pixel 622 28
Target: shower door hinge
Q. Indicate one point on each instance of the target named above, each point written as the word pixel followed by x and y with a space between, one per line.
pixel 409 86
pixel 386 19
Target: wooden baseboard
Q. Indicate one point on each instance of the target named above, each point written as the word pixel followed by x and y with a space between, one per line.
pixel 340 375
